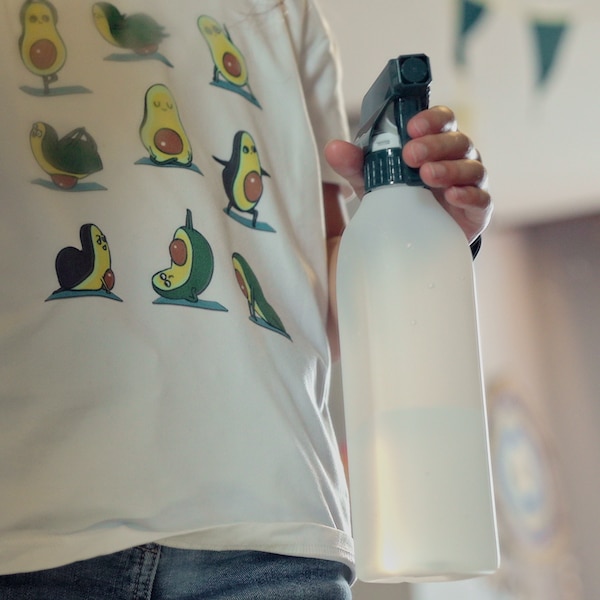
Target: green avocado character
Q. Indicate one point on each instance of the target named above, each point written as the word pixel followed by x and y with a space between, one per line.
pixel 261 312
pixel 192 265
pixel 66 160
pixel 242 176
pixel 41 46
pixel 138 32
pixel 161 131
pixel 88 269
pixel 229 65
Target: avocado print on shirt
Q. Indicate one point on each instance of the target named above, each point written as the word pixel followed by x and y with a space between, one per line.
pixel 85 272
pixel 66 160
pixel 162 132
pixel 42 49
pixel 230 71
pixel 243 182
pixel 191 270
pixel 139 35
pixel 261 312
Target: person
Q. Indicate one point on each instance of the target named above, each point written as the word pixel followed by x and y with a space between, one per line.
pixel 167 261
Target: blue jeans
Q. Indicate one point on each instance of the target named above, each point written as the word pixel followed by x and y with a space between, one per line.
pixel 153 572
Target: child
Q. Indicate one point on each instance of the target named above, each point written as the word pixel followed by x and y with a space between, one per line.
pixel 166 260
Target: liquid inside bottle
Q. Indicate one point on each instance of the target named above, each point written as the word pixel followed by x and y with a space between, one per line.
pixel 418 453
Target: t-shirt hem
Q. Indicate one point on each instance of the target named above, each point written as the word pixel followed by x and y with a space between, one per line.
pixel 290 539
pixel 309 540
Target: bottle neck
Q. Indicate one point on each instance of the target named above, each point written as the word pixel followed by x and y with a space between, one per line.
pixel 386 167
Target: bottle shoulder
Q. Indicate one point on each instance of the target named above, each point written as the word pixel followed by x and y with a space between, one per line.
pixel 404 209
pixel 403 222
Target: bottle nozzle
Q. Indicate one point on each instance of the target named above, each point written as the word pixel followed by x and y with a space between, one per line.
pixel 400 92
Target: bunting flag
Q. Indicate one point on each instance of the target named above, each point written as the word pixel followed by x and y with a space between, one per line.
pixel 547 29
pixel 470 14
pixel 548 38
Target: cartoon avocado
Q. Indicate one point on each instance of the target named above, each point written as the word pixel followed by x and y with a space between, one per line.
pixel 228 61
pixel 161 130
pixel 42 49
pixel 242 176
pixel 88 269
pixel 261 312
pixel 192 265
pixel 138 32
pixel 66 160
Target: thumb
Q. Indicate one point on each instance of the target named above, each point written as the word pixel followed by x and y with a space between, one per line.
pixel 346 160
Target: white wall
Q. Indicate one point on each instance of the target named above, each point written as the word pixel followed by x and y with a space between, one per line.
pixel 566 256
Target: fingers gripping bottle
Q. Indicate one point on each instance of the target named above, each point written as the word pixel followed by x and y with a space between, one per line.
pixel 416 428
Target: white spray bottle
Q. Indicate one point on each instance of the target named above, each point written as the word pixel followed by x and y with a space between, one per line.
pixel 416 427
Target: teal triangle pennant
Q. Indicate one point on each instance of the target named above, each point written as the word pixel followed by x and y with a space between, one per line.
pixel 548 37
pixel 470 13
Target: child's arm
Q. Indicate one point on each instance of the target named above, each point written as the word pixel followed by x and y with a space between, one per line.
pixel 335 221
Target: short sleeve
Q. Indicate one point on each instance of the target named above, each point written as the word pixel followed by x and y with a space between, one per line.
pixel 321 75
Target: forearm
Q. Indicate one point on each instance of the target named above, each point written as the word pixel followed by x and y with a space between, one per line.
pixel 335 221
pixel 333 245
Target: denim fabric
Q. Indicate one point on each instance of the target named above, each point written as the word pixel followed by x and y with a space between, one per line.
pixel 153 572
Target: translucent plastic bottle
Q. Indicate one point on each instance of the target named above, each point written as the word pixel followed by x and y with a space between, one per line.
pixel 416 430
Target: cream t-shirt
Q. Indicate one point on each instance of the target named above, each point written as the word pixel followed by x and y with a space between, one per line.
pixel 164 368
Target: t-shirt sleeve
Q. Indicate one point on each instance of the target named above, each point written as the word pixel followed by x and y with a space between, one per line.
pixel 321 73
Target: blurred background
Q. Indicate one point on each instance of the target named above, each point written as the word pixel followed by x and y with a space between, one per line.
pixel 521 76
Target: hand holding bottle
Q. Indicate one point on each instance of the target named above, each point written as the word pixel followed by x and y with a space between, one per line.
pixel 448 163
